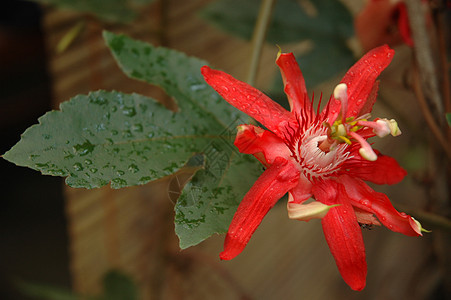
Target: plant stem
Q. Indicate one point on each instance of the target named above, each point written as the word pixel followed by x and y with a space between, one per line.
pixel 423 57
pixel 430 120
pixel 258 37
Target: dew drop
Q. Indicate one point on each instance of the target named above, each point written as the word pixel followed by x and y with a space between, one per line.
pixel 144 179
pixel 34 156
pixel 127 134
pixel 98 101
pixel 143 107
pixel 93 170
pixel 129 111
pixel 78 167
pixel 137 128
pixel 120 172
pixel 88 162
pixel 118 183
pixel 133 168
pixel 84 149
pixel 365 202
pixel 114 132
pixel 113 108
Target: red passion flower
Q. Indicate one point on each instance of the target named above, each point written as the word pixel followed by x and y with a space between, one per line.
pixel 321 155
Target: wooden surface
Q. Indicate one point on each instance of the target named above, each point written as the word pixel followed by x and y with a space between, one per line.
pixel 132 229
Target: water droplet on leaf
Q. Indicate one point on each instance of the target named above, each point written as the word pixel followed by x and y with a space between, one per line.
pixel 129 111
pixel 78 167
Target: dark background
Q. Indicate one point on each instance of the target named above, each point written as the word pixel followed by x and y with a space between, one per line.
pixel 33 237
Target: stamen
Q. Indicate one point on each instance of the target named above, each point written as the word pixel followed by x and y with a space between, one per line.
pixel 393 125
pixel 366 151
pixel 341 93
pixel 382 127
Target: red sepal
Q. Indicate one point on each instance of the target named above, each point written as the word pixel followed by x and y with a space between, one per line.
pixel 362 196
pixel 250 101
pixel 263 144
pixel 294 83
pixel 360 80
pixel 343 234
pixel 278 179
pixel 384 170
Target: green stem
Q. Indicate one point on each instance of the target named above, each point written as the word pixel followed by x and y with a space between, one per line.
pixel 258 37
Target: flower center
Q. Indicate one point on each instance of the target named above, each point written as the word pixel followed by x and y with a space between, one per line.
pixel 314 162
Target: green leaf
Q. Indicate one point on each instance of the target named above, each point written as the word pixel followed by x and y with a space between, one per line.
pixel 118 286
pixel 111 137
pixel 290 22
pixel 121 11
pixel 209 201
pixel 448 118
pixel 177 74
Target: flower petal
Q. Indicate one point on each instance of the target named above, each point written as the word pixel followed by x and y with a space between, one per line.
pixel 302 191
pixel 249 100
pixel 365 198
pixel 360 80
pixel 384 170
pixel 267 190
pixel 263 144
pixel 343 234
pixel 375 23
pixel 294 83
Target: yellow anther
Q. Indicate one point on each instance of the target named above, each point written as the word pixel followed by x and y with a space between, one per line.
pixel 345 139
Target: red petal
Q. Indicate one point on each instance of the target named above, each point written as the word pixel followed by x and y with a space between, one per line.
pixel 267 190
pixel 368 107
pixel 360 80
pixel 384 170
pixel 364 197
pixel 373 24
pixel 343 234
pixel 294 83
pixel 249 100
pixel 263 144
pixel 403 24
pixel 302 191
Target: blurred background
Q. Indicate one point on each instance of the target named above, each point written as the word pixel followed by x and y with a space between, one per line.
pixel 58 242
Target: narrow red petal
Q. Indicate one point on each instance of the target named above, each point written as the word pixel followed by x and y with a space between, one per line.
pixel 249 100
pixel 365 198
pixel 360 80
pixel 267 190
pixel 294 83
pixel 343 234
pixel 263 144
pixel 384 170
